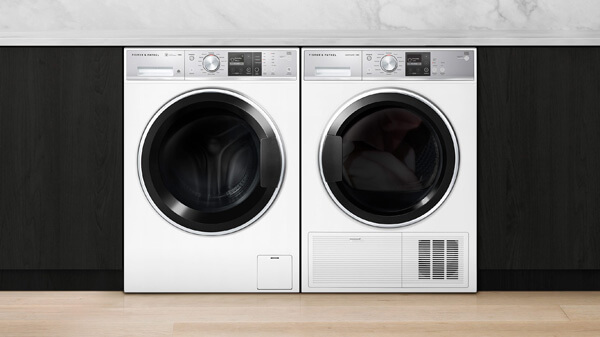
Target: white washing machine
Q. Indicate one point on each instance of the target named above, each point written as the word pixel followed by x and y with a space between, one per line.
pixel 211 169
pixel 389 170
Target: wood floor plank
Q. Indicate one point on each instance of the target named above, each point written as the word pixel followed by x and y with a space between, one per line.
pixel 481 298
pixel 288 314
pixel 69 328
pixel 354 313
pixel 582 312
pixel 81 298
pixel 212 300
pixel 432 313
pixel 344 329
pixel 60 313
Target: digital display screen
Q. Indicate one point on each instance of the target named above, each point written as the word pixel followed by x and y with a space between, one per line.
pixel 418 63
pixel 244 64
pixel 236 59
pixel 414 59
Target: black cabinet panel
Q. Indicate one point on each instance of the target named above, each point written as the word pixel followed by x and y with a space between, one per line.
pixel 61 181
pixel 539 158
pixel 538 280
pixel 61 279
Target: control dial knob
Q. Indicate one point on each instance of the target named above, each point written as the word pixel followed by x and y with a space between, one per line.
pixel 388 63
pixel 211 63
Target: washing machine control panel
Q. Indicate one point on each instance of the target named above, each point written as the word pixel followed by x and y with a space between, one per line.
pixel 212 64
pixel 406 64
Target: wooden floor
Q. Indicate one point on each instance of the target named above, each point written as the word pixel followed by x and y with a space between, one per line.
pixel 116 314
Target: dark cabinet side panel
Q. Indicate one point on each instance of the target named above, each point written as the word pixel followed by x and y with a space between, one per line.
pixel 61 137
pixel 539 158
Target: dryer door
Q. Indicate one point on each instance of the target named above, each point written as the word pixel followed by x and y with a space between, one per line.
pixel 389 158
pixel 211 162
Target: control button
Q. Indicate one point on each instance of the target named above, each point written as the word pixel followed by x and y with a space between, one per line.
pixel 191 57
pixel 442 70
pixel 211 63
pixel 248 69
pixel 434 70
pixel 388 63
pixel 466 58
pixel 191 71
pixel 256 69
pixel 369 58
pixel 426 70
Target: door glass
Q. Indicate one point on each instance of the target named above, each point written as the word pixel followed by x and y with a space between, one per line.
pixel 392 159
pixel 210 161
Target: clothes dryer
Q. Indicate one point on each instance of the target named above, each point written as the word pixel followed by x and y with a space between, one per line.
pixel 389 170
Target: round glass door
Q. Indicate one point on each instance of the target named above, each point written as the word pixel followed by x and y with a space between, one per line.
pixel 211 162
pixel 389 158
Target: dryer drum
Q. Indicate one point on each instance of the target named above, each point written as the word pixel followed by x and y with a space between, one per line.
pixel 389 159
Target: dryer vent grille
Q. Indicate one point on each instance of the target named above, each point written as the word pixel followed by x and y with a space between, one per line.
pixel 434 261
pixel 438 259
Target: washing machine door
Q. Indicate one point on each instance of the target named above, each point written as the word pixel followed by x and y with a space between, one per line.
pixel 211 162
pixel 389 158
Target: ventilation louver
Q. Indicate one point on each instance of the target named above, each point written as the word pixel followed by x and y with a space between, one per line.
pixel 438 259
pixel 432 261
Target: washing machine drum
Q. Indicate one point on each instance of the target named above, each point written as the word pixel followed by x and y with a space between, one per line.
pixel 389 159
pixel 211 162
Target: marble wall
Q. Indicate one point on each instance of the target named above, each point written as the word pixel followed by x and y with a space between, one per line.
pixel 298 15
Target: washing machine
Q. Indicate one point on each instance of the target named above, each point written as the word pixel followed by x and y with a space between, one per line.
pixel 211 170
pixel 389 170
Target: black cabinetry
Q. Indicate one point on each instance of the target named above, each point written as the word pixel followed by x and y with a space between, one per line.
pixel 539 168
pixel 61 181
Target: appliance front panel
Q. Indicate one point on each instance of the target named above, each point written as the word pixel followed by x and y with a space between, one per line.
pixel 158 257
pixel 454 223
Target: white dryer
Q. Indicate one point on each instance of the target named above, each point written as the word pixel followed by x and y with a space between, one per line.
pixel 211 170
pixel 389 170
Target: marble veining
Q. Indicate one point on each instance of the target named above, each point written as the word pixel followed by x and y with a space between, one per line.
pixel 300 22
pixel 297 15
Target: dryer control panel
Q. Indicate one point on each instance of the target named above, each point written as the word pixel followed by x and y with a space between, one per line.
pixel 406 64
pixel 211 64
